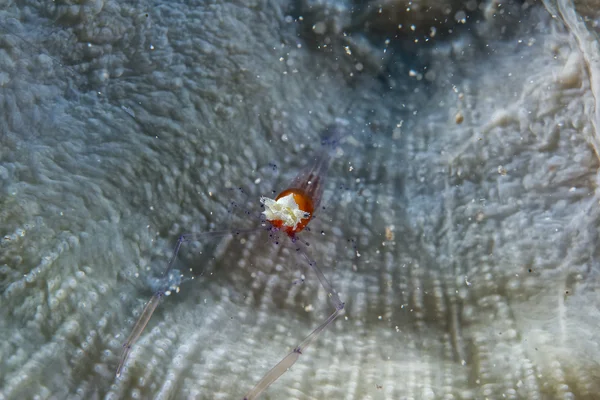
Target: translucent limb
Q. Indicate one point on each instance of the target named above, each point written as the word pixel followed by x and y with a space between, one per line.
pixel 142 321
pixel 138 328
pixel 292 357
pixel 331 293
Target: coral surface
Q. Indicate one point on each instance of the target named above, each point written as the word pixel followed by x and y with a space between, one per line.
pixel 460 220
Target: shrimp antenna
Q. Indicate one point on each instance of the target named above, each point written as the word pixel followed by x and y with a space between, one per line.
pixel 290 212
pixel 150 307
pixel 289 360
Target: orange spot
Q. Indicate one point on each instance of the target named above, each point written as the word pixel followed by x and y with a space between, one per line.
pixel 304 202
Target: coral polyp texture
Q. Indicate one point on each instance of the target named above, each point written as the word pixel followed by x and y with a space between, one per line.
pixel 459 222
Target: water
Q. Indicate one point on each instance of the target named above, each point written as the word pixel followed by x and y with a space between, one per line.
pixel 462 240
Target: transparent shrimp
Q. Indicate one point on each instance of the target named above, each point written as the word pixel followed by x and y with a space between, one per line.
pixel 150 307
pixel 290 212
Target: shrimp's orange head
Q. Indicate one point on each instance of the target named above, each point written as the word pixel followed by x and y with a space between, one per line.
pixel 291 210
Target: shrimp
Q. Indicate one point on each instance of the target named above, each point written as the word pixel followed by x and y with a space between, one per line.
pixel 290 212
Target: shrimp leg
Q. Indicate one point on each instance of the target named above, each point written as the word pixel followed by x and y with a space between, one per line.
pixel 139 328
pixel 292 357
pixel 142 321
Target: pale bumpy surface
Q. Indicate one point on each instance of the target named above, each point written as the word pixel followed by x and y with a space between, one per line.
pixel 461 220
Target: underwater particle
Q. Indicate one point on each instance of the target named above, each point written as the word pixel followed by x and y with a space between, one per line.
pixel 414 74
pixel 389 233
pixel 459 118
pixel 319 28
pixel 501 170
pixel 460 17
pixel 430 76
pixel 471 5
pixel 480 216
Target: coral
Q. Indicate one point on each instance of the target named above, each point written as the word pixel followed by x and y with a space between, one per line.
pixel 465 251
